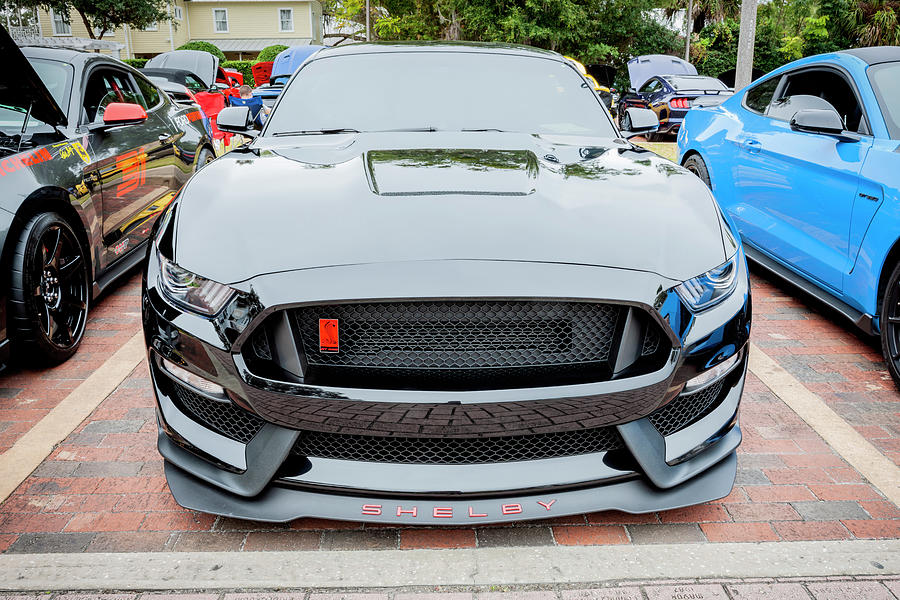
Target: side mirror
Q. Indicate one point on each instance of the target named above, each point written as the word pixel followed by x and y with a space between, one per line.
pixel 236 119
pixel 822 121
pixel 123 113
pixel 639 121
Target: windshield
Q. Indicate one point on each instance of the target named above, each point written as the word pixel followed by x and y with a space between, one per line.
pixel 696 83
pixel 57 78
pixel 885 79
pixel 440 91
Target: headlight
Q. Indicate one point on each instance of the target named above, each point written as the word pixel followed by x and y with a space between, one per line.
pixel 192 291
pixel 712 287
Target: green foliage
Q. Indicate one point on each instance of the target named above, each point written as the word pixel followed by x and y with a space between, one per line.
pixel 270 52
pixel 714 49
pixel 814 31
pixel 877 23
pixel 137 63
pixel 204 47
pixel 104 16
pixel 244 66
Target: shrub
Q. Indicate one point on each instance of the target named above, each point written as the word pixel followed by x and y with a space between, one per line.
pixel 137 63
pixel 244 66
pixel 204 47
pixel 270 52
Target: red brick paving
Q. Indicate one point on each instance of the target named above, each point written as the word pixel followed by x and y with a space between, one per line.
pixel 103 490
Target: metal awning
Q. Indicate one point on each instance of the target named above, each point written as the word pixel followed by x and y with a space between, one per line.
pixel 72 43
pixel 253 44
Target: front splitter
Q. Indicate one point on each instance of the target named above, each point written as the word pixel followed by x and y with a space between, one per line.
pixel 280 504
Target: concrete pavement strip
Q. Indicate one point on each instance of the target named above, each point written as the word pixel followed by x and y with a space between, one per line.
pixel 837 433
pixel 17 463
pixel 481 566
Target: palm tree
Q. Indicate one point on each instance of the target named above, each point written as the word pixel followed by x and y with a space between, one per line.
pixel 705 11
pixel 877 24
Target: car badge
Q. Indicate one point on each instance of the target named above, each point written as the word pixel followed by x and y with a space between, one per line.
pixel 328 335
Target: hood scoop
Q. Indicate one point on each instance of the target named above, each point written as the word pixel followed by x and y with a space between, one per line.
pixel 426 172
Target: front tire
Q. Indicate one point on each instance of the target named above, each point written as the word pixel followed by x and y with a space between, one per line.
pixel 890 325
pixel 696 165
pixel 49 290
pixel 206 156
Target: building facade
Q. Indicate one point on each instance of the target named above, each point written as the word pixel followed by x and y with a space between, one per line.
pixel 240 28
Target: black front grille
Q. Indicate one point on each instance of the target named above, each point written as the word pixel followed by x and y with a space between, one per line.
pixel 462 344
pixel 457 450
pixel 685 409
pixel 222 417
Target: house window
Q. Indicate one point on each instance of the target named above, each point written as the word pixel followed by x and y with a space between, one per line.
pixel 61 24
pixel 285 19
pixel 106 35
pixel 178 13
pixel 154 26
pixel 220 20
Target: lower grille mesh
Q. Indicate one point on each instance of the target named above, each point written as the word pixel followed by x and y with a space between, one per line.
pixel 221 417
pixel 685 409
pixel 457 450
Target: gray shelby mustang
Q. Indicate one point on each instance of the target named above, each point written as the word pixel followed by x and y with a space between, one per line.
pixel 411 311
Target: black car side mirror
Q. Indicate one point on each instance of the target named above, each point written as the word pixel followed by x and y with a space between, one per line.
pixel 236 119
pixel 822 121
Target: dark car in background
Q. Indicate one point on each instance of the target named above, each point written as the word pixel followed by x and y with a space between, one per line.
pixel 91 152
pixel 444 308
pixel 669 86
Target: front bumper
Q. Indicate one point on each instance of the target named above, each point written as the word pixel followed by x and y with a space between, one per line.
pixel 262 479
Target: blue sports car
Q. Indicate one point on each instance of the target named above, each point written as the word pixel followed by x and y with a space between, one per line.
pixel 283 67
pixel 806 161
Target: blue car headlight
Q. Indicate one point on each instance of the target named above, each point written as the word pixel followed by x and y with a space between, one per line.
pixel 191 291
pixel 707 290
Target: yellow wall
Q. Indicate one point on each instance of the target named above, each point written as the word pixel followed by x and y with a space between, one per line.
pixel 249 19
pixel 245 20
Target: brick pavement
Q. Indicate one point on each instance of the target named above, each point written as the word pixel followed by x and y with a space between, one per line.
pixel 831 588
pixel 27 394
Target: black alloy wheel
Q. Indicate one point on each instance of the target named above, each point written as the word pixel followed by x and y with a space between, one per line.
pixel 206 157
pixel 49 289
pixel 890 325
pixel 696 165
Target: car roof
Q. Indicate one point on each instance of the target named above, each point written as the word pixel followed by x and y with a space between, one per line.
pixel 875 55
pixel 465 47
pixel 67 55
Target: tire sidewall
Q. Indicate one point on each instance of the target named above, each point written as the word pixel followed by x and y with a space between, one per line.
pixel 699 168
pixel 893 282
pixel 39 343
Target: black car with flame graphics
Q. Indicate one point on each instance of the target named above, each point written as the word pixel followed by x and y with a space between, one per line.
pixel 462 303
pixel 91 153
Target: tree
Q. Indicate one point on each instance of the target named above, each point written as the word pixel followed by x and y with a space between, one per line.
pixel 204 47
pixel 102 16
pixel 877 23
pixel 270 52
pixel 705 12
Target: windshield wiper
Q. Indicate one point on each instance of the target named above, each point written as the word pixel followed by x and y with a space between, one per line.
pixel 316 131
pixel 484 129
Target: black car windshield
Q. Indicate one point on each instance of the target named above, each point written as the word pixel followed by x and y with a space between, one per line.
pixel 885 80
pixel 439 91
pixel 57 78
pixel 696 83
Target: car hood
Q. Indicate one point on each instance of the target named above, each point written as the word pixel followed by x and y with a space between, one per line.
pixel 290 60
pixel 642 68
pixel 202 64
pixel 315 201
pixel 21 87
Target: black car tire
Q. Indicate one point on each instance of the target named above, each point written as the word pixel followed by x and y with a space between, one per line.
pixel 49 290
pixel 890 324
pixel 206 157
pixel 696 165
pixel 624 120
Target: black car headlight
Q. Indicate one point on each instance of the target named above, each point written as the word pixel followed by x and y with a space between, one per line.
pixel 191 291
pixel 707 290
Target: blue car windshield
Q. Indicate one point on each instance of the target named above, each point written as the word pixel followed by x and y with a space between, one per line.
pixel 440 91
pixel 885 79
